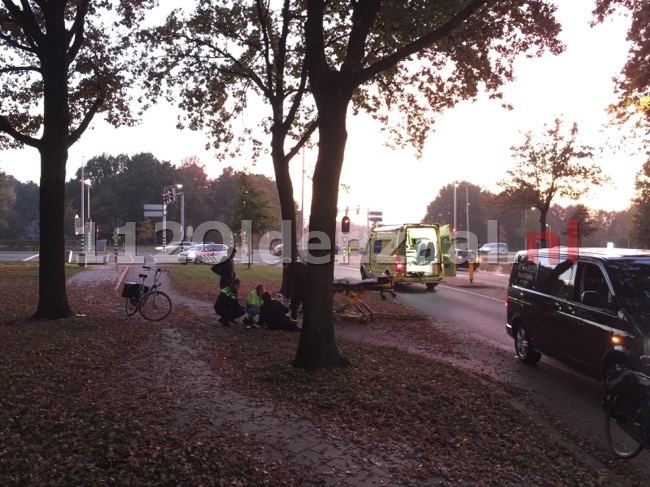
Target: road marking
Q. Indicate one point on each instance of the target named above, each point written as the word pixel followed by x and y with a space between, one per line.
pixel 30 258
pixel 472 293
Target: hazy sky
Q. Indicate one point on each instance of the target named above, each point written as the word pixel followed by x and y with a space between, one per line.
pixel 471 142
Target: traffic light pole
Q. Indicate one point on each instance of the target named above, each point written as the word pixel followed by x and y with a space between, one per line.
pixel 164 226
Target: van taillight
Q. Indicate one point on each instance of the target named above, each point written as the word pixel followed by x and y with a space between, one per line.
pixel 399 267
pixel 506 301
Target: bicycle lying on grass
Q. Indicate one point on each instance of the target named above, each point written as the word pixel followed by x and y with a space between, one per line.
pixel 153 304
pixel 627 410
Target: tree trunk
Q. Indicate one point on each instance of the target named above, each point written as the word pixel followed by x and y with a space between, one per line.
pixel 317 347
pixel 52 295
pixel 285 193
pixel 53 148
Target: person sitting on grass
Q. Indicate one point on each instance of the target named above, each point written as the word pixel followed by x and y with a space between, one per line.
pixel 227 304
pixel 253 305
pixel 273 314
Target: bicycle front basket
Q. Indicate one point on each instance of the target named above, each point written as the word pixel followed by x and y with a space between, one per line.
pixel 131 290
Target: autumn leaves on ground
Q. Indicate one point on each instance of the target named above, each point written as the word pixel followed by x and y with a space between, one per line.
pixel 82 403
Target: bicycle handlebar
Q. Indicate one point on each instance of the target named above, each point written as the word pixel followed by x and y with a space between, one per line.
pixel 156 270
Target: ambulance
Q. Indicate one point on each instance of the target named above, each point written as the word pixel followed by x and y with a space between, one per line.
pixel 410 253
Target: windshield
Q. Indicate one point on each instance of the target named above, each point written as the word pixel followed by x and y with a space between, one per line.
pixel 196 248
pixel 631 281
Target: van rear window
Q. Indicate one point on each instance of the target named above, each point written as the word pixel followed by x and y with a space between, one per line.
pixel 523 273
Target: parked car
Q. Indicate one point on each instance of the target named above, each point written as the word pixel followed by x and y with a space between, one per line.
pixel 494 248
pixel 463 257
pixel 589 310
pixel 277 250
pixel 176 245
pixel 204 253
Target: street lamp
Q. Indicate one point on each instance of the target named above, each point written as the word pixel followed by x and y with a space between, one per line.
pixel 83 218
pixel 182 213
pixel 466 206
pixel 88 182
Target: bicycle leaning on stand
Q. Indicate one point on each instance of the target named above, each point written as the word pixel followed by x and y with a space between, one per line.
pixel 153 304
pixel 627 410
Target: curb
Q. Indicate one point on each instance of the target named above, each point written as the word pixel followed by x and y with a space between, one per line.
pixel 119 279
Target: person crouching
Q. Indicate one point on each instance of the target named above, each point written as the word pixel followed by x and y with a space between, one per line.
pixel 273 314
pixel 253 305
pixel 227 304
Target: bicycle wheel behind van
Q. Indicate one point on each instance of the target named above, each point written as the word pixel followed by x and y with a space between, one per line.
pixel 621 443
pixel 132 306
pixel 156 306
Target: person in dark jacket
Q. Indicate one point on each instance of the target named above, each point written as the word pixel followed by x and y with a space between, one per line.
pixel 227 304
pixel 296 286
pixel 226 269
pixel 273 315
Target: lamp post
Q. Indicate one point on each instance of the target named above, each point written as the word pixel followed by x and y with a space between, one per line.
pixel 88 182
pixel 83 217
pixel 182 214
pixel 466 206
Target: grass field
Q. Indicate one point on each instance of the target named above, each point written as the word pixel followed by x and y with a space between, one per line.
pixel 260 273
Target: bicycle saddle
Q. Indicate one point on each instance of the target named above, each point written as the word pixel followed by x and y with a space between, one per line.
pixel 142 276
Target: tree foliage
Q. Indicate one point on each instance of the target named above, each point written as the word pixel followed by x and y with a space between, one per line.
pixel 633 83
pixel 414 59
pixel 640 231
pixel 237 69
pixel 61 63
pixel 441 209
pixel 546 167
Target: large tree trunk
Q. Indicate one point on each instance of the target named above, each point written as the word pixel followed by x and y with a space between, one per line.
pixel 52 296
pixel 317 347
pixel 53 147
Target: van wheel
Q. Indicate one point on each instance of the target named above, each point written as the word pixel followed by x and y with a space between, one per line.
pixel 523 347
pixel 431 285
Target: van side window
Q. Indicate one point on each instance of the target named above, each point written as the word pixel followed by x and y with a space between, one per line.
pixel 555 278
pixel 592 287
pixel 381 246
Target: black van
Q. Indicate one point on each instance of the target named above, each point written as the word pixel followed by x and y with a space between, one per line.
pixel 589 308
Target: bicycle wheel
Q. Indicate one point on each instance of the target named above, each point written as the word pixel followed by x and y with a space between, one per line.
pixel 155 306
pixel 131 306
pixel 621 443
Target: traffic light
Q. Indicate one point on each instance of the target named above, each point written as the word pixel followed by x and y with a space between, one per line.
pixel 167 196
pixel 345 224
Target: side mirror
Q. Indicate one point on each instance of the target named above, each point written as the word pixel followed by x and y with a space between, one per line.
pixel 593 298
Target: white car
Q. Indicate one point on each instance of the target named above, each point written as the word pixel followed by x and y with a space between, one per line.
pixel 208 253
pixel 174 246
pixel 493 248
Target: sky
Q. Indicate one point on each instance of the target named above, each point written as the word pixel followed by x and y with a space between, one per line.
pixel 470 142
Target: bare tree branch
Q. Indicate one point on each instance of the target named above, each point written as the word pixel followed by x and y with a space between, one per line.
pixel 6 127
pixel 18 69
pixel 76 134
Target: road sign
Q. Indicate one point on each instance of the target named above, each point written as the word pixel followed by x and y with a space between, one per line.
pixel 375 216
pixel 154 207
pixel 375 213
pixel 153 214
